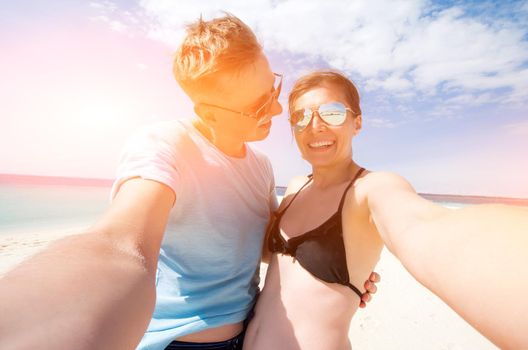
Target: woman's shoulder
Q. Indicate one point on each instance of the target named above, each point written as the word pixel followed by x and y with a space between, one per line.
pixel 375 179
pixel 370 181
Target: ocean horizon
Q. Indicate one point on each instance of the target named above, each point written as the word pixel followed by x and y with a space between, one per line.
pixel 33 203
pixel 23 179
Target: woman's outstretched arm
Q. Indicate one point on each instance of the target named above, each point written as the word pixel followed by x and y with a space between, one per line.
pixel 475 258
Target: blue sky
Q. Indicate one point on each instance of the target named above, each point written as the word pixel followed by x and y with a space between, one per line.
pixel 444 84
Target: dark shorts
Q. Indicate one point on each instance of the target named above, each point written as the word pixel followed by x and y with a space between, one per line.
pixel 234 343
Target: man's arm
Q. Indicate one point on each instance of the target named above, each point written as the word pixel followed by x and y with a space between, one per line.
pixel 475 258
pixel 95 290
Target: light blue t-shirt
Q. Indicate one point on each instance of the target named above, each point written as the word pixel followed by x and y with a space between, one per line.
pixel 208 266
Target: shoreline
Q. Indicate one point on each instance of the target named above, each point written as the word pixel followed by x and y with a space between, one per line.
pixel 52 180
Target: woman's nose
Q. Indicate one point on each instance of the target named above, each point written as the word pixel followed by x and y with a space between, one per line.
pixel 317 122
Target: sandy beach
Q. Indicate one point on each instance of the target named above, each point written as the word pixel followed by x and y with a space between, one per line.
pixel 14 248
pixel 403 314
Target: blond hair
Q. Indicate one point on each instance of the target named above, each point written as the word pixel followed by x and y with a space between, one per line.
pixel 224 44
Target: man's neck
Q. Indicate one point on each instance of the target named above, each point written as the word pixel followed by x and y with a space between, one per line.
pixel 228 146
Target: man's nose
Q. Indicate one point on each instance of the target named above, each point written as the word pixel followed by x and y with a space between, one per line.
pixel 276 108
pixel 273 110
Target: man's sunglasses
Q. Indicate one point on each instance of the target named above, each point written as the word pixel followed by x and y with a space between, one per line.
pixel 263 110
pixel 332 113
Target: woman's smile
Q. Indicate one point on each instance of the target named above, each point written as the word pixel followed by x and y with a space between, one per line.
pixel 321 145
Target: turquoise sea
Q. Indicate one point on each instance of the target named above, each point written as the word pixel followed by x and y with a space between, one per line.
pixel 30 208
pixel 33 203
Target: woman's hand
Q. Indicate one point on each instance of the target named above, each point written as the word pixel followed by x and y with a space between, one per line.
pixel 370 287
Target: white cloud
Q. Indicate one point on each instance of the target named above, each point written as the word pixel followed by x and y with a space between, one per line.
pixel 106 6
pixel 380 122
pixel 393 83
pixel 118 26
pixel 400 46
pixel 472 99
pixel 114 25
pixel 125 22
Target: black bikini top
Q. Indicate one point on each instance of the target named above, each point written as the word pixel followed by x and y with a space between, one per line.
pixel 320 251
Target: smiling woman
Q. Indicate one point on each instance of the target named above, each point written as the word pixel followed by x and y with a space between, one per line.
pixel 322 245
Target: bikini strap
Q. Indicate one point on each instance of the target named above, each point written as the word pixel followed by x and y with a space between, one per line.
pixel 295 195
pixel 342 202
pixel 355 289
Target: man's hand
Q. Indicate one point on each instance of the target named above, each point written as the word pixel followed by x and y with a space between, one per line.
pixel 370 286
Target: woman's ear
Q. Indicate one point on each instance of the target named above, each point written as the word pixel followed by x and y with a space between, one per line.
pixel 358 123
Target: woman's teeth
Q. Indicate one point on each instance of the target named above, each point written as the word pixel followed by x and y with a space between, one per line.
pixel 320 144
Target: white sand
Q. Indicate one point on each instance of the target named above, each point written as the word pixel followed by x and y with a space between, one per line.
pixel 405 315
pixel 402 315
pixel 14 248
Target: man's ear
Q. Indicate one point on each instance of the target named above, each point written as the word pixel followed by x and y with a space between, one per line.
pixel 205 114
pixel 358 124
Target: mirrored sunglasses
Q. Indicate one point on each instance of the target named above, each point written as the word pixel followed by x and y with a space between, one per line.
pixel 332 113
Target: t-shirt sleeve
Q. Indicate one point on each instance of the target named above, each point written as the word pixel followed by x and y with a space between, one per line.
pixel 148 155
